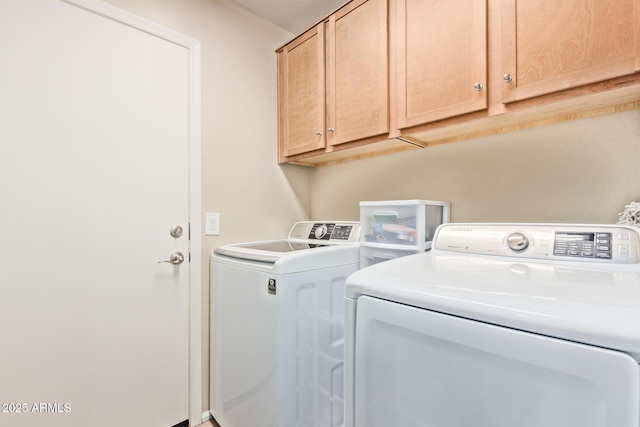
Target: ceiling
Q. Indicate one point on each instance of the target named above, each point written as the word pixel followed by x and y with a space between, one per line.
pixel 294 16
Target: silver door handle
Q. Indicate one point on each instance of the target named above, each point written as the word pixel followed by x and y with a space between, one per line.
pixel 175 258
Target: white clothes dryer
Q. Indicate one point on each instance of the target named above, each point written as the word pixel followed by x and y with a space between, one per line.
pixel 500 325
pixel 277 327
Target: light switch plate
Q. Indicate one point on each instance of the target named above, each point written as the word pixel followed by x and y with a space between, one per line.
pixel 212 224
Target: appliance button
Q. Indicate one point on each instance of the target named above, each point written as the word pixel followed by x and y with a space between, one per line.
pixel 560 251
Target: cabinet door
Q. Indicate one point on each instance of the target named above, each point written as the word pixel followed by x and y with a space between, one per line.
pixel 357 72
pixel 301 94
pixel 441 59
pixel 550 45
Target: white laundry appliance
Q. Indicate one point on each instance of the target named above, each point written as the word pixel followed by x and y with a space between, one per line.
pixel 500 325
pixel 278 327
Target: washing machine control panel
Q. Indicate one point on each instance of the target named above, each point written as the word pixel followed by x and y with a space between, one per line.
pixel 329 231
pixel 566 242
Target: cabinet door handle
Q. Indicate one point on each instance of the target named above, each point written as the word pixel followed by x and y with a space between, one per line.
pixel 507 78
pixel 331 130
pixel 318 133
pixel 478 87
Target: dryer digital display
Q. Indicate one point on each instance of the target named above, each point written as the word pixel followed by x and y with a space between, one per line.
pixel 583 244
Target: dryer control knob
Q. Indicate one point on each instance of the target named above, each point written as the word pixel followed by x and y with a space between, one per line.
pixel 517 241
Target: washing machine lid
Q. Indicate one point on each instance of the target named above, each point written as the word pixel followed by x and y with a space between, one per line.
pixel 589 302
pixel 303 236
pixel 265 251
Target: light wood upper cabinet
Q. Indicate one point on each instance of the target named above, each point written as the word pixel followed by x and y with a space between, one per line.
pixel 333 82
pixel 441 59
pixel 383 76
pixel 550 45
pixel 357 72
pixel 301 96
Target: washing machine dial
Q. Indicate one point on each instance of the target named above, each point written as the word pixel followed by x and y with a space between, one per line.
pixel 321 231
pixel 517 241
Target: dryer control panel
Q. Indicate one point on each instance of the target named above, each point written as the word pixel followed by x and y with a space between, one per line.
pixel 585 244
pixel 327 231
pixel 567 242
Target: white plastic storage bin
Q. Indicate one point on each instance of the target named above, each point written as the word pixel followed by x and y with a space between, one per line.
pixel 395 228
pixel 408 224
pixel 373 255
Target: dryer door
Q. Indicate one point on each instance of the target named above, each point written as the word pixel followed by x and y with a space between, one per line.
pixel 415 367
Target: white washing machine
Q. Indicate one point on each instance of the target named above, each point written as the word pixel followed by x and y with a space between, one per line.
pixel 498 326
pixel 277 327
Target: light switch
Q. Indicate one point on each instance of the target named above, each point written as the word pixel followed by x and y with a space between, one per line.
pixel 212 224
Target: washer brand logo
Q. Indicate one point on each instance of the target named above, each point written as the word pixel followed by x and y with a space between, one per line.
pixel 271 286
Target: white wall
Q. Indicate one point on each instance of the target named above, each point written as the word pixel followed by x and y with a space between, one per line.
pixel 257 199
pixel 581 171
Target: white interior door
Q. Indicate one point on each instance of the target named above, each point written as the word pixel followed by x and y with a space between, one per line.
pixel 94 166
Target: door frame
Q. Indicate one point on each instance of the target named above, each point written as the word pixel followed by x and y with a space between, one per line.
pixel 195 184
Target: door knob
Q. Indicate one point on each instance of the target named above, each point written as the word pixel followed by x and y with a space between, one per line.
pixel 175 258
pixel 176 231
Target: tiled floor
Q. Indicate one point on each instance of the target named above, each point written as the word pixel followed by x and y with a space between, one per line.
pixel 208 424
